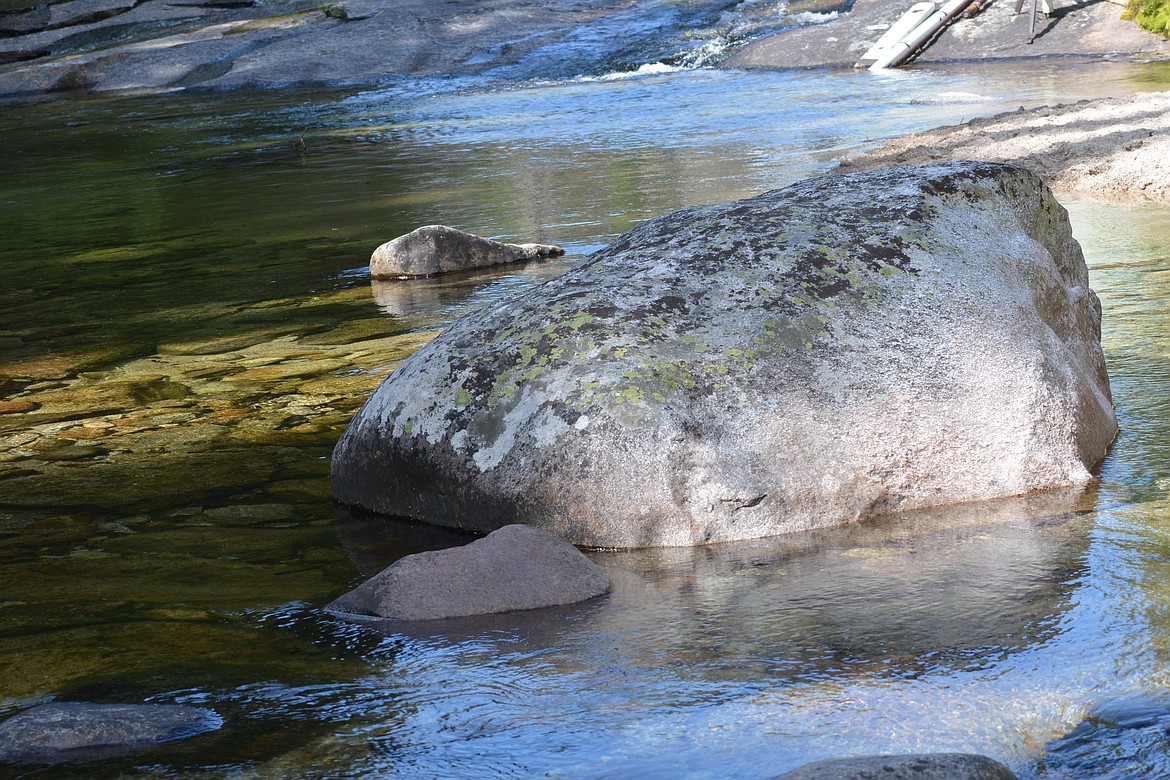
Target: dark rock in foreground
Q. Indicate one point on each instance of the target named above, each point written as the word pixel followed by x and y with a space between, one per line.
pixel 61 731
pixel 847 347
pixel 517 567
pixel 438 249
pixel 928 766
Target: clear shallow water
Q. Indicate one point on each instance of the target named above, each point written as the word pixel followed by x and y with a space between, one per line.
pixel 186 321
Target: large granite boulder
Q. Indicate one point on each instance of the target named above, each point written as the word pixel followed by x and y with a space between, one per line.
pixel 846 347
pixel 438 249
pixel 925 766
pixel 62 730
pixel 517 567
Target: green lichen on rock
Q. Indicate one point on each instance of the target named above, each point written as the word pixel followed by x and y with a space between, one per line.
pixel 644 327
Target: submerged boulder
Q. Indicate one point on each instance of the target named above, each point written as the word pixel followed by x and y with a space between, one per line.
pixel 517 567
pixel 59 731
pixel 438 249
pixel 925 766
pixel 846 347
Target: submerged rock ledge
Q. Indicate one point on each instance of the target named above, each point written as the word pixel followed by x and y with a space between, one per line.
pixel 846 347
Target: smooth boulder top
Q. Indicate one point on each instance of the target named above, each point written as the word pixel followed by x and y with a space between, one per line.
pixel 438 249
pixel 59 730
pixel 926 766
pixel 846 347
pixel 516 567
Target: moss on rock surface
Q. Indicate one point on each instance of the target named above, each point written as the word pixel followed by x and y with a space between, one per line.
pixel 1152 15
pixel 845 347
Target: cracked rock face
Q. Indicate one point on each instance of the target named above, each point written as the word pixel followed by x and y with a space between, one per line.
pixel 845 347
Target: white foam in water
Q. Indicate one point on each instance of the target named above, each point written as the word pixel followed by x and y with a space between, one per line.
pixel 949 98
pixel 649 69
pixel 812 17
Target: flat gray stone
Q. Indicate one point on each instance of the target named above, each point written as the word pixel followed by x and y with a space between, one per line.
pixel 848 347
pixel 926 766
pixel 59 730
pixel 517 567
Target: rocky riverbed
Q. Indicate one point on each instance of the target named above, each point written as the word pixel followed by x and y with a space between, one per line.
pixel 169 425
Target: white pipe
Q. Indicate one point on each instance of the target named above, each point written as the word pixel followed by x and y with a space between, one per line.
pixel 921 34
pixel 905 25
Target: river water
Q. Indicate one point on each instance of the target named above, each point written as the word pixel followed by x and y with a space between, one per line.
pixel 186 327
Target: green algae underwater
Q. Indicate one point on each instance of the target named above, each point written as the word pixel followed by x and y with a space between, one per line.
pixel 186 328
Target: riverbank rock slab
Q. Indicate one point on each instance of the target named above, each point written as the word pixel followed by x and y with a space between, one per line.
pixel 438 249
pixel 61 730
pixel 997 32
pixel 846 347
pixel 517 567
pixel 1109 149
pixel 927 766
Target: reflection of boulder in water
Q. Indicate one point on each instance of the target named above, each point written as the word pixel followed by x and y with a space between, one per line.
pixel 403 297
pixel 936 587
pixel 374 542
pixel 410 296
pixel 900 596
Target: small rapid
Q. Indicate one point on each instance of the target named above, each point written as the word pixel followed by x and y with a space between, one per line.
pixel 654 35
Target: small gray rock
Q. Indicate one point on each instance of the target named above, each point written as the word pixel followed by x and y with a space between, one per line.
pixel 517 567
pixel 928 766
pixel 51 732
pixel 437 249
